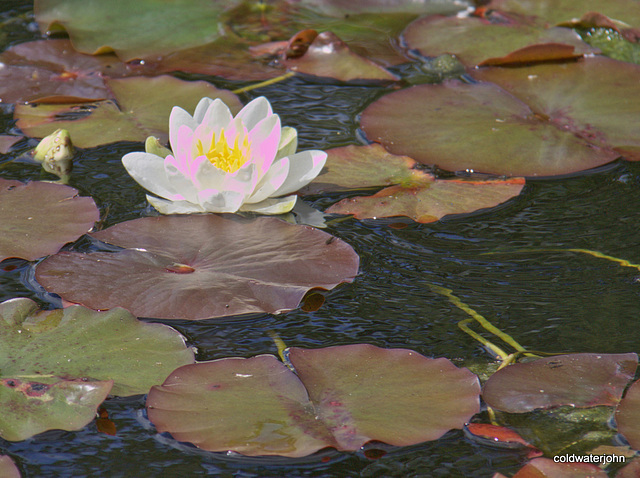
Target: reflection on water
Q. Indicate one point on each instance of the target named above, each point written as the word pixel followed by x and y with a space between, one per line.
pixel 505 264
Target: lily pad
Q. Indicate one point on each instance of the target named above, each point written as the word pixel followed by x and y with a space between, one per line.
pixel 59 365
pixel 201 266
pixel 140 108
pixel 595 99
pixel 482 127
pixel 628 415
pixel 341 8
pixel 478 41
pixel 40 69
pixel 6 141
pixel 329 56
pixel 8 468
pixel 133 29
pixel 38 218
pixel 579 380
pixel 341 397
pixel 548 468
pixel 431 200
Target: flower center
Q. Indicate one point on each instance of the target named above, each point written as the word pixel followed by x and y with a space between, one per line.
pixel 229 159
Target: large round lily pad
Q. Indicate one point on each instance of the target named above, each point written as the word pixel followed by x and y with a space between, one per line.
pixel 201 266
pixel 38 218
pixel 595 99
pixel 548 468
pixel 57 366
pixel 133 29
pixel 579 380
pixel 482 127
pixel 140 108
pixel 342 397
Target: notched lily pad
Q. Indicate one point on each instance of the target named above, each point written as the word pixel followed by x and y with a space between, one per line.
pixel 341 397
pixel 38 218
pixel 201 266
pixel 36 70
pixel 140 108
pixel 57 366
pixel 579 380
pixel 485 128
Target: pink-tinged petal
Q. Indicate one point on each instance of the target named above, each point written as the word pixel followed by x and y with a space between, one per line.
pixel 208 176
pixel 212 200
pixel 264 139
pixel 304 167
pixel 243 181
pixel 288 142
pixel 272 205
pixel 148 171
pixel 174 207
pixel 254 112
pixel 271 181
pixel 182 149
pixel 177 119
pixel 201 109
pixel 180 182
pixel 217 117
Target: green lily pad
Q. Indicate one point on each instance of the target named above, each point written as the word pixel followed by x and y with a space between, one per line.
pixel 478 41
pixel 341 8
pixel 628 415
pixel 133 29
pixel 485 128
pixel 579 380
pixel 140 108
pixel 341 397
pixel 201 266
pixel 45 68
pixel 57 366
pixel 595 98
pixel 38 218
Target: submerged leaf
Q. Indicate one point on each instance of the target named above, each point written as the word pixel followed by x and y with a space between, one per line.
pixel 579 380
pixel 38 218
pixel 342 397
pixel 201 266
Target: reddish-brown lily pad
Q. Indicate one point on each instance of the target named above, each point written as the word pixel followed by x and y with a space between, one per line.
pixel 8 468
pixel 628 416
pixel 201 266
pixel 548 468
pixel 140 108
pixel 482 127
pixel 595 99
pixel 579 380
pixel 6 141
pixel 478 41
pixel 45 68
pixel 341 397
pixel 38 218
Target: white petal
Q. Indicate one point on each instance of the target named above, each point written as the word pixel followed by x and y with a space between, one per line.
pixel 254 112
pixel 180 182
pixel 288 142
pixel 272 205
pixel 178 118
pixel 264 139
pixel 216 117
pixel 271 181
pixel 304 167
pixel 201 109
pixel 174 207
pixel 208 176
pixel 148 171
pixel 243 181
pixel 212 200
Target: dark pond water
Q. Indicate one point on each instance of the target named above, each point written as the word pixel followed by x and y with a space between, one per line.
pixel 548 300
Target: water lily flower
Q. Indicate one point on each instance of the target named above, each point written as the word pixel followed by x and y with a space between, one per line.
pixel 222 163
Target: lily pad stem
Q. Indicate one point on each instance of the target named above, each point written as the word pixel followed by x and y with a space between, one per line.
pixel 277 79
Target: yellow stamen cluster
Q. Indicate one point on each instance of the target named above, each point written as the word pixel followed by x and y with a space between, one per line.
pixel 229 159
